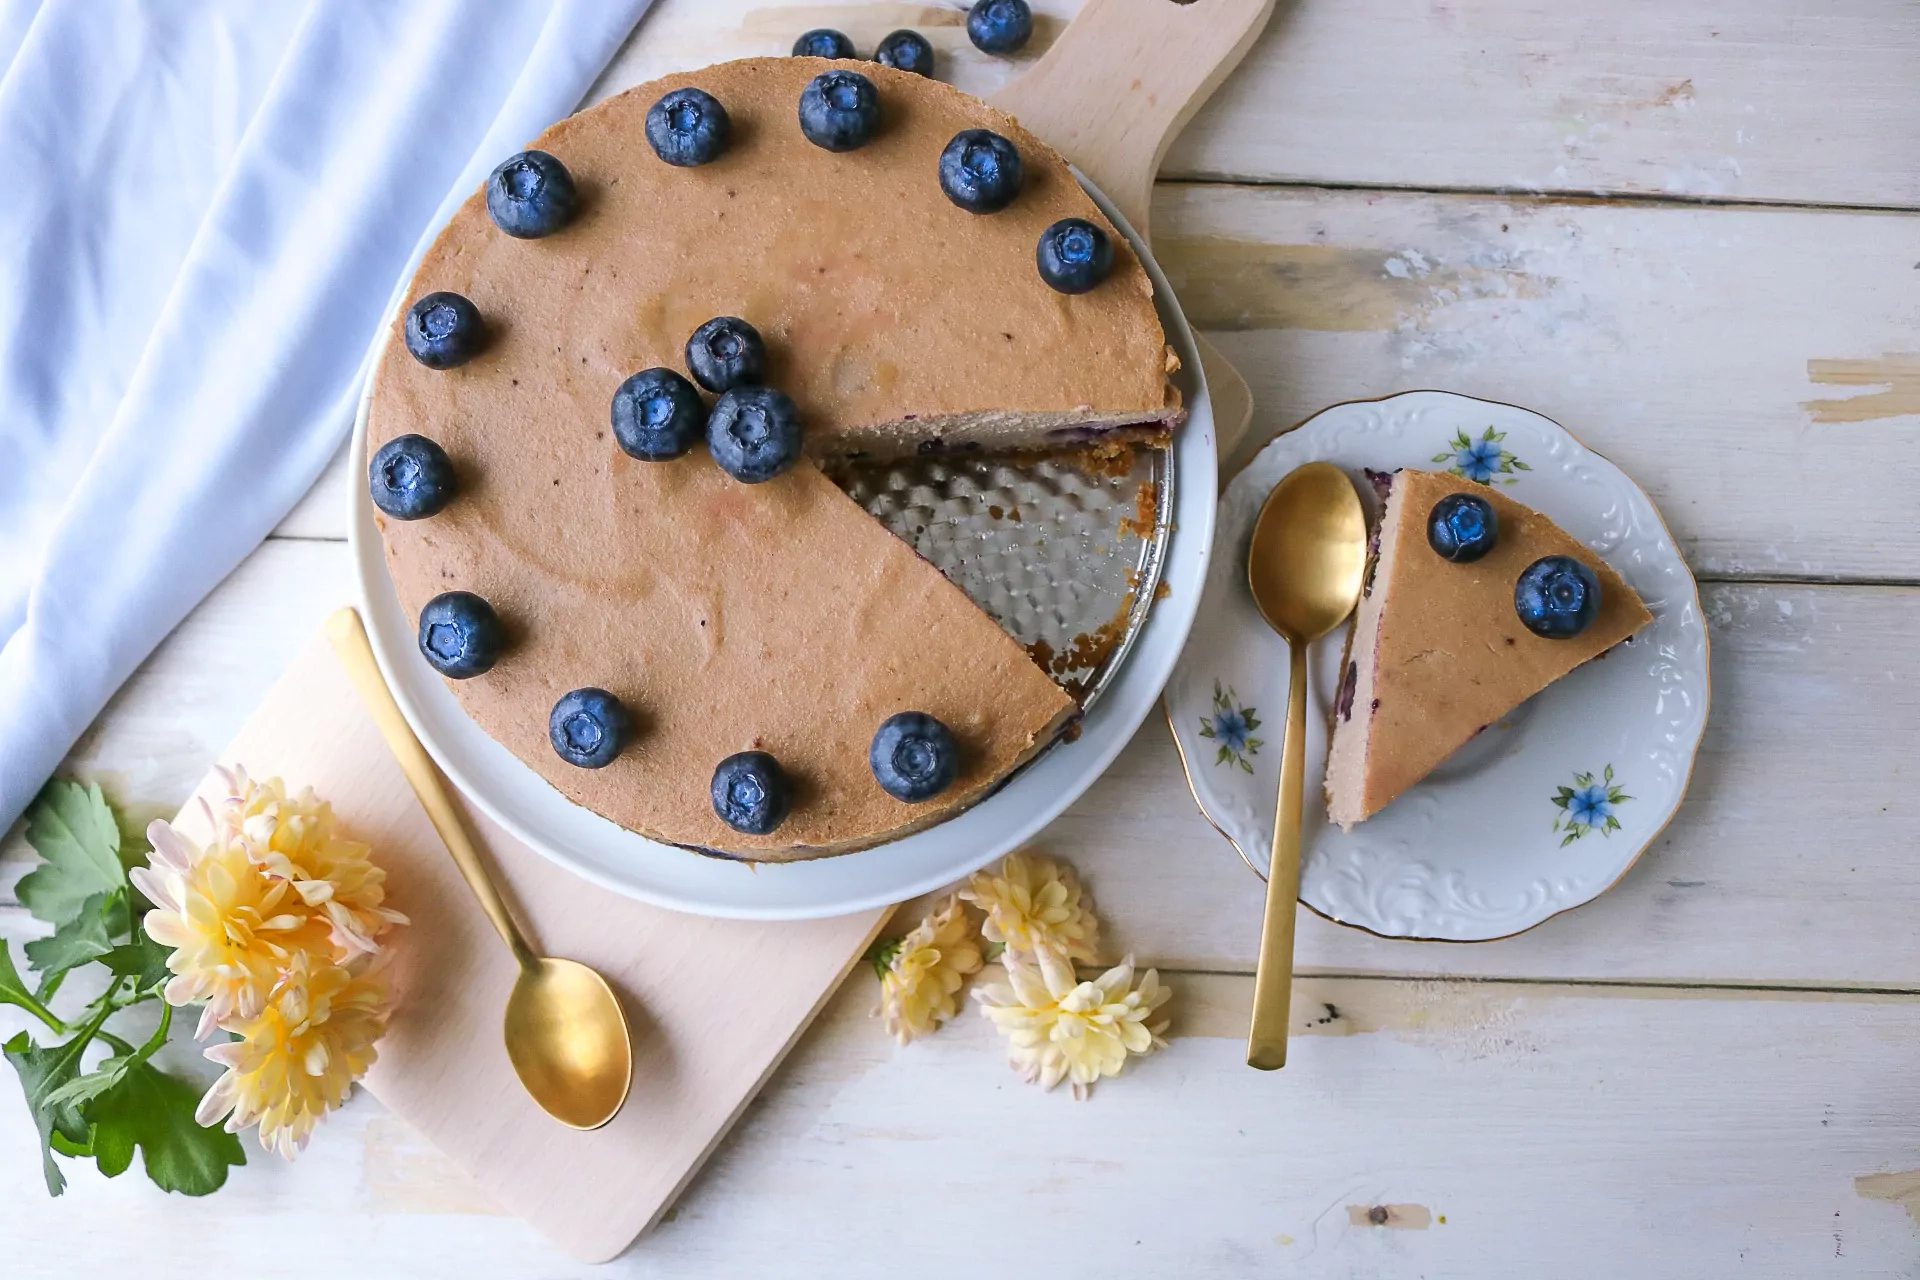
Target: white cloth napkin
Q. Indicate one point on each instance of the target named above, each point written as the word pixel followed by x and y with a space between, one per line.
pixel 207 206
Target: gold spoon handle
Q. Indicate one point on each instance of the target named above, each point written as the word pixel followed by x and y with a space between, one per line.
pixel 349 640
pixel 1273 986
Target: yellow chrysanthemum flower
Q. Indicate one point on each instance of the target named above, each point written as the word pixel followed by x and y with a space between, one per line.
pixel 1035 907
pixel 295 838
pixel 921 974
pixel 231 926
pixel 1060 1028
pixel 297 1059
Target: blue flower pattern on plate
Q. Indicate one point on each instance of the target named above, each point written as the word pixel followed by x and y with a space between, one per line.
pixel 1232 727
pixel 1482 461
pixel 1588 806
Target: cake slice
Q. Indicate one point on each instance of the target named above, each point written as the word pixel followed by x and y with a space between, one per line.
pixel 1438 649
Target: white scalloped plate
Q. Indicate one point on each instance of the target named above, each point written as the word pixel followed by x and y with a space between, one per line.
pixel 1480 849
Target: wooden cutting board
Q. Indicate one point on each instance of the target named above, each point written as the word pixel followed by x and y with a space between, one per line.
pixel 1112 93
pixel 714 1004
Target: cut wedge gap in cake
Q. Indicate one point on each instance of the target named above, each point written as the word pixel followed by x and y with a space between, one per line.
pixel 1438 651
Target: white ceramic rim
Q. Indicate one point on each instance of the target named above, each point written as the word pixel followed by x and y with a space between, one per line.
pixel 600 851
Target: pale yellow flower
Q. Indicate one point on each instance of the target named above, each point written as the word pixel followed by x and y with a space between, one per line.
pixel 295 839
pixel 1035 906
pixel 1058 1027
pixel 297 1059
pixel 921 974
pixel 231 926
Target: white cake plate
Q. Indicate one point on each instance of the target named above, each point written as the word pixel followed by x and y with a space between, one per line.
pixel 1542 812
pixel 516 797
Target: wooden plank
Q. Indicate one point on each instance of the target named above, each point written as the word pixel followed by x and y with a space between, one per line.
pixel 1706 99
pixel 1757 100
pixel 1506 1130
pixel 1789 863
pixel 1735 361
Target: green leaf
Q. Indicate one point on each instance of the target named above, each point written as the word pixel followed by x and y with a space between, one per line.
pixel 82 1089
pixel 78 941
pixel 62 1145
pixel 151 1110
pixel 143 960
pixel 114 1069
pixel 12 989
pixel 41 1071
pixel 74 829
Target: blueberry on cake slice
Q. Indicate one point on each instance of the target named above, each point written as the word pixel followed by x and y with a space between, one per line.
pixel 1472 603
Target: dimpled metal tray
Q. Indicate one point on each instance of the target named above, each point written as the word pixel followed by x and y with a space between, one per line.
pixel 1064 549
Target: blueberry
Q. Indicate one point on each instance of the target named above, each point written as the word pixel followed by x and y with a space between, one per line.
pixel 754 433
pixel 1557 597
pixel 751 793
pixel 588 727
pixel 980 171
pixel 906 51
pixel 999 26
pixel 840 111
pixel 657 415
pixel 411 478
pixel 1462 527
pixel 914 757
pixel 688 127
pixel 823 42
pixel 461 635
pixel 444 330
pixel 1074 255
pixel 531 195
pixel 726 352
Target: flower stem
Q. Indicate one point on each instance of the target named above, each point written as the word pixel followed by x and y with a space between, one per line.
pixel 114 1040
pixel 159 1036
pixel 43 1013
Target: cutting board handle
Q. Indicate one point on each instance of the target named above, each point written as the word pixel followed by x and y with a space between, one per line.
pixel 1123 79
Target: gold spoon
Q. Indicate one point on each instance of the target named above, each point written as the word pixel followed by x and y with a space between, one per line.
pixel 1304 563
pixel 566 1033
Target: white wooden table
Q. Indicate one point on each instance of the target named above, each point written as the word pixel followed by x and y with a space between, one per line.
pixel 1686 229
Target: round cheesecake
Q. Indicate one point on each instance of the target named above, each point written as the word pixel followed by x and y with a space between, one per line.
pixel 727 617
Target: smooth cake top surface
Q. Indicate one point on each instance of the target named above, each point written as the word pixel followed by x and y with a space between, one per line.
pixel 730 617
pixel 1452 655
